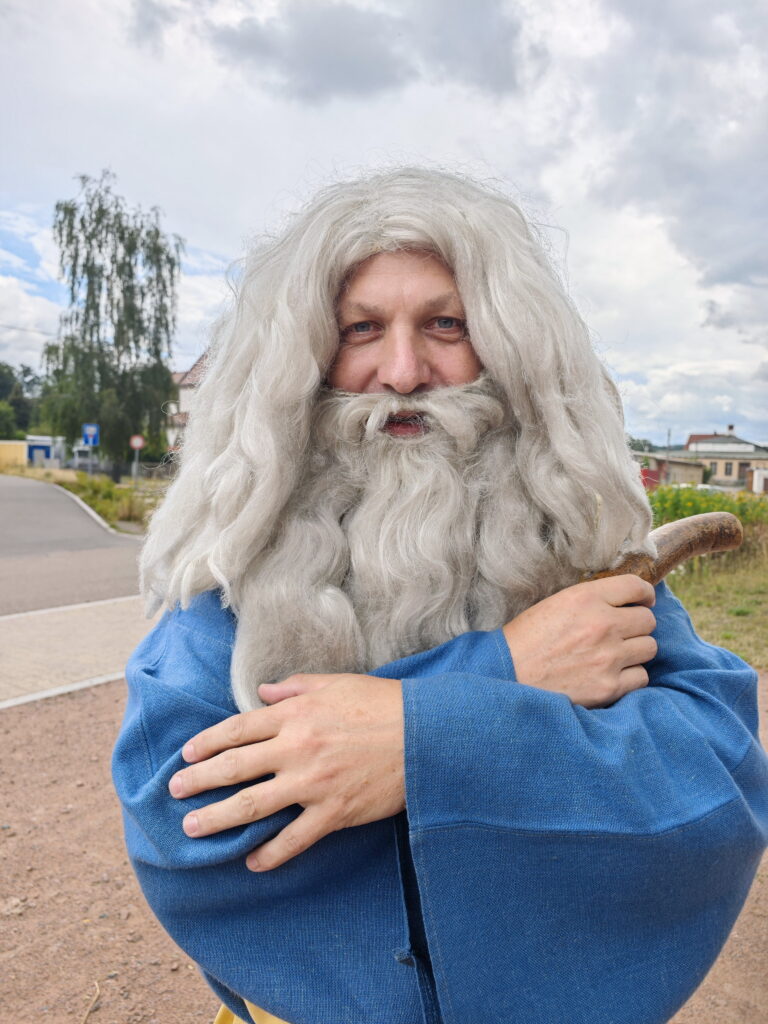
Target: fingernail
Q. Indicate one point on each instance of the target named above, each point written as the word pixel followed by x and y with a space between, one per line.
pixel 252 863
pixel 188 751
pixel 191 825
pixel 176 786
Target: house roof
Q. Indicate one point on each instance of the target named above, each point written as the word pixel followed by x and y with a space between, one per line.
pixel 662 457
pixel 715 439
pixel 189 378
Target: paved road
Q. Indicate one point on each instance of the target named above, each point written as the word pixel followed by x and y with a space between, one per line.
pixel 69 610
pixel 53 553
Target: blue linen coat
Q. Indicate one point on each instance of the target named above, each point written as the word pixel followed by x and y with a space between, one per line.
pixel 556 864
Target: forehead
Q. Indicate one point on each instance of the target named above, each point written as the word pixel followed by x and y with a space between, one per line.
pixel 399 276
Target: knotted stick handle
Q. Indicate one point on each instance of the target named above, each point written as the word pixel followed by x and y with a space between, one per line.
pixel 675 542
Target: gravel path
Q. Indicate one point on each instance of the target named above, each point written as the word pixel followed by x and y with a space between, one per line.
pixel 72 917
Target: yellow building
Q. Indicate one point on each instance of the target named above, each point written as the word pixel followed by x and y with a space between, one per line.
pixel 13 454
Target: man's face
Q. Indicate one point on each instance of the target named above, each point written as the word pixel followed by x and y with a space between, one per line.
pixel 402 329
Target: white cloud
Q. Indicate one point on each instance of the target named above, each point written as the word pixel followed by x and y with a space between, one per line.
pixel 638 128
pixel 12 261
pixel 317 49
pixel 202 297
pixel 27 322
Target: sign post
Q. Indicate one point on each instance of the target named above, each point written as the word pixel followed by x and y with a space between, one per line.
pixel 91 440
pixel 136 442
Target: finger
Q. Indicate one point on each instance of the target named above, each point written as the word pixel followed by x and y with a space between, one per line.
pixel 239 764
pixel 251 804
pixel 633 678
pixel 294 686
pixel 629 589
pixel 635 620
pixel 637 651
pixel 249 727
pixel 311 825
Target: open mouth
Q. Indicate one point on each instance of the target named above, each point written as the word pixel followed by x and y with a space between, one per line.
pixel 405 424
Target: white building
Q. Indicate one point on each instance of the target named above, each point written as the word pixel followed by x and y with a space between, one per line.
pixel 186 382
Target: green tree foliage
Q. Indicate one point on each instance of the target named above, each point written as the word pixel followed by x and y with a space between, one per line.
pixel 22 407
pixel 25 397
pixel 7 380
pixel 20 388
pixel 640 444
pixel 109 364
pixel 7 421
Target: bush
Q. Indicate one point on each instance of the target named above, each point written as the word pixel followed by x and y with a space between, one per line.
pixel 671 503
pixel 111 502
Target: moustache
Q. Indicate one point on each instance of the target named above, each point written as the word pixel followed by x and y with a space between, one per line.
pixel 463 413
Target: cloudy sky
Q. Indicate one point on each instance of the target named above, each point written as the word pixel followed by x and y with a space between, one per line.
pixel 637 132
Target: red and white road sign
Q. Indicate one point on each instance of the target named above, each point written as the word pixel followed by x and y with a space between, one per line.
pixel 137 442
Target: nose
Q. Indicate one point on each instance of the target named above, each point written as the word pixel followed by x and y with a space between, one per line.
pixel 404 364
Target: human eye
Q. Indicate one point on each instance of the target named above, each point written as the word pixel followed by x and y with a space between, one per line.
pixel 362 330
pixel 448 326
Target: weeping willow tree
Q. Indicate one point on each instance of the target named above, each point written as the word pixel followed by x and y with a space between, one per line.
pixel 109 364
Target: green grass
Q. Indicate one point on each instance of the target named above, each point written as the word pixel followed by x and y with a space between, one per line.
pixel 726 594
pixel 729 606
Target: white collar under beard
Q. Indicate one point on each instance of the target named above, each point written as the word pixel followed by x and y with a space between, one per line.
pixel 392 545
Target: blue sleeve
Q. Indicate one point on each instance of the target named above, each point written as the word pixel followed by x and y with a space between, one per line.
pixel 179 683
pixel 607 852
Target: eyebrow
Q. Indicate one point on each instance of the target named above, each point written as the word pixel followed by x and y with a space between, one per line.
pixel 431 306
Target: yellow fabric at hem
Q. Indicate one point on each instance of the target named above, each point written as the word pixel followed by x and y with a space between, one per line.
pixel 225 1016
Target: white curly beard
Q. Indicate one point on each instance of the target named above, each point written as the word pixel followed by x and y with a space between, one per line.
pixel 391 544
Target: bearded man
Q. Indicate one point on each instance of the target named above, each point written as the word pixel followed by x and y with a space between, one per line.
pixel 405 454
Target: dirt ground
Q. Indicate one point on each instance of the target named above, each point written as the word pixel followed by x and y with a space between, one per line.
pixel 77 942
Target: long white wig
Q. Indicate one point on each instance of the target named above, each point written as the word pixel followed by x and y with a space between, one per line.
pixel 578 499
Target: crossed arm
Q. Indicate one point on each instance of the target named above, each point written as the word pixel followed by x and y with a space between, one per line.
pixel 333 744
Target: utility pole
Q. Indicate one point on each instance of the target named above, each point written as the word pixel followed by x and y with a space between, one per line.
pixel 666 469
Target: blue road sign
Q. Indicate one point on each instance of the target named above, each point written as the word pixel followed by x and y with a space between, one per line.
pixel 91 434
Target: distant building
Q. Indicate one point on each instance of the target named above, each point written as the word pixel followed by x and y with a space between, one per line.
pixel 186 381
pixel 45 450
pixel 757 481
pixel 729 458
pixel 13 454
pixel 656 469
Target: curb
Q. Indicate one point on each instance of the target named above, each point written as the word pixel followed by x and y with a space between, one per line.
pixel 57 691
pixel 93 513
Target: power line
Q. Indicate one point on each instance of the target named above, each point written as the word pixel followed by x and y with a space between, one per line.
pixel 29 330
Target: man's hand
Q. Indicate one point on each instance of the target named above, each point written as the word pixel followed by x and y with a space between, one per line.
pixel 589 641
pixel 335 747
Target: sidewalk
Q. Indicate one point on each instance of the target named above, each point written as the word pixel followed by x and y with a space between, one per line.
pixel 54 649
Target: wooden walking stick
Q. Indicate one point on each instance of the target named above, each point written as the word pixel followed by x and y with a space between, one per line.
pixel 676 542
